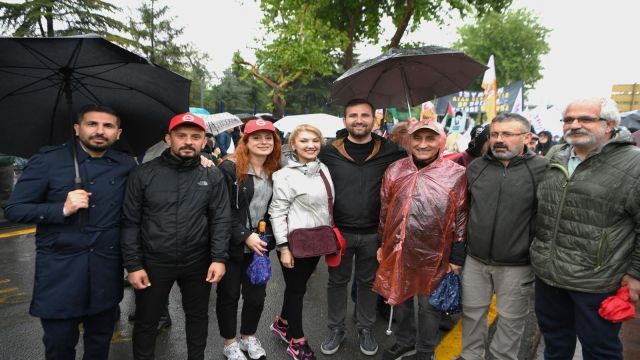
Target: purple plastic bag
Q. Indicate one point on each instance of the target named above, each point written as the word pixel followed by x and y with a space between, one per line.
pixel 259 271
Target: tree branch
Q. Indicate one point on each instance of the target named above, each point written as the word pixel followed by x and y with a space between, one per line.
pixel 409 9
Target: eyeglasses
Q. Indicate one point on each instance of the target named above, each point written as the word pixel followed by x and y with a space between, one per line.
pixel 505 134
pixel 581 119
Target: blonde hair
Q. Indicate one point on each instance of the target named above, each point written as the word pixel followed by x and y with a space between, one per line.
pixel 304 127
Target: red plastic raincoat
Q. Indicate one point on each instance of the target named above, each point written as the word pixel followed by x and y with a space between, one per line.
pixel 423 212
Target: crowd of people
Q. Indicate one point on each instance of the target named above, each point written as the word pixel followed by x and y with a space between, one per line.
pixel 510 221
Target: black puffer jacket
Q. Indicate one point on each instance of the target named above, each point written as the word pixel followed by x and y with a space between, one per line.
pixel 587 227
pixel 174 212
pixel 357 202
pixel 502 208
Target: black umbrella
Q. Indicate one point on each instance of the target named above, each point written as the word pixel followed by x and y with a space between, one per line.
pixel 45 81
pixel 407 77
pixel 630 120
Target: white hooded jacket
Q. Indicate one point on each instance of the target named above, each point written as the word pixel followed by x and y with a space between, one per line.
pixel 299 199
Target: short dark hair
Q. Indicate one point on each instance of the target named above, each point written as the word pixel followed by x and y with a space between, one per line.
pixel 508 116
pixel 354 102
pixel 98 108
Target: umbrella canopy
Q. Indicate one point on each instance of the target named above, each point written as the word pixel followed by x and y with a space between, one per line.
pixel 199 111
pixel 45 81
pixel 630 120
pixel 407 76
pixel 245 117
pixel 327 124
pixel 217 123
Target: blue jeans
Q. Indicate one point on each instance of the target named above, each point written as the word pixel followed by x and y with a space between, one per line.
pixel 565 314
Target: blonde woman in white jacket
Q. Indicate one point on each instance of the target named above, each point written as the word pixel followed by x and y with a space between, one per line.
pixel 299 201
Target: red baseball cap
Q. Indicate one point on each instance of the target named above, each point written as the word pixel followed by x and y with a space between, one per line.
pixel 187 119
pixel 257 125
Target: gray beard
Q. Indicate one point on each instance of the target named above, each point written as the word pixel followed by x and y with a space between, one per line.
pixel 507 155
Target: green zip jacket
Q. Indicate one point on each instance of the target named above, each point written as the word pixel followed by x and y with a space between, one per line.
pixel 588 225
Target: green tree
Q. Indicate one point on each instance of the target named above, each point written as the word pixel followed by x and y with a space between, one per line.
pixel 297 47
pixel 516 39
pixel 359 20
pixel 48 18
pixel 407 15
pixel 238 94
pixel 154 36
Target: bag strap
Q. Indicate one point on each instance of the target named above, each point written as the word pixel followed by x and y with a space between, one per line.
pixel 329 194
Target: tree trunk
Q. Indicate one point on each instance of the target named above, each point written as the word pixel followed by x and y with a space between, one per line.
pixel 278 103
pixel 49 17
pixel 351 33
pixel 403 23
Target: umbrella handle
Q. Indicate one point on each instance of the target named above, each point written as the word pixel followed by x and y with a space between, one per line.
pixel 389 332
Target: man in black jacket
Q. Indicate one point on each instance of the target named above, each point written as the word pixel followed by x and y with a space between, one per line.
pixel 502 186
pixel 357 163
pixel 176 226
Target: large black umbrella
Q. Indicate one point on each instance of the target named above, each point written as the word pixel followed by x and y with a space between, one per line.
pixel 630 120
pixel 45 81
pixel 407 77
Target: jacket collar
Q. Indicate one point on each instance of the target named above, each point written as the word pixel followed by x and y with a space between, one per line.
pixel 176 163
pixel 621 137
pixel 83 155
pixel 526 155
pixel 339 145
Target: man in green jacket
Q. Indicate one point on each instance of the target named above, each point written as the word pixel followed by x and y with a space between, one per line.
pixel 587 242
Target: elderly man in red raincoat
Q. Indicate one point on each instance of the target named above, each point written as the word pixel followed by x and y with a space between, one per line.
pixel 423 221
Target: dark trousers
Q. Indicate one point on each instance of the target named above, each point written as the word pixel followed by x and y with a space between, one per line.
pixel 295 280
pixel 564 314
pixel 151 302
pixel 61 336
pixel 235 280
pixel 363 248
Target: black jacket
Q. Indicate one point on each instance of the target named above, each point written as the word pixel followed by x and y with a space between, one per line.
pixel 174 212
pixel 240 198
pixel 356 207
pixel 502 208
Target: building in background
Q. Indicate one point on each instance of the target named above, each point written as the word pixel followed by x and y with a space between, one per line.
pixel 627 96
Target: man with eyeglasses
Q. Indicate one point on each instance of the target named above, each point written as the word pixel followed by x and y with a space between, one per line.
pixel 586 241
pixel 502 187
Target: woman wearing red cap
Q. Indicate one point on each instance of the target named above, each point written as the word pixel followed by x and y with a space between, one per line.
pixel 248 174
pixel 300 200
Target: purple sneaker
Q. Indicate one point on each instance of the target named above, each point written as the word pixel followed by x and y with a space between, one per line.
pixel 300 351
pixel 280 330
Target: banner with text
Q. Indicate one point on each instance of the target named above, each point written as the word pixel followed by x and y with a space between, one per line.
pixel 471 101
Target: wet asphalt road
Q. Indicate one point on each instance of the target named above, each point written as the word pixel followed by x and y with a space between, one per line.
pixel 20 334
pixel 20 337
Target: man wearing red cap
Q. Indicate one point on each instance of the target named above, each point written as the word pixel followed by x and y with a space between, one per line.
pixel 176 226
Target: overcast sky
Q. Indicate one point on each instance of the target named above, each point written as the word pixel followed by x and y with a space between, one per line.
pixel 594 44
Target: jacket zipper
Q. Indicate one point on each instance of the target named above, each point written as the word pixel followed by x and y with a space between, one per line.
pixel 562 199
pixel 237 194
pixel 495 216
pixel 603 241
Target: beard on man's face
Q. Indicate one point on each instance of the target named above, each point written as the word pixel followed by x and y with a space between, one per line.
pixel 96 147
pixel 182 156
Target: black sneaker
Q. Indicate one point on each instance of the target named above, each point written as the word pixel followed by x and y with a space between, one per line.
pixel 425 356
pixel 397 352
pixel 368 344
pixel 331 344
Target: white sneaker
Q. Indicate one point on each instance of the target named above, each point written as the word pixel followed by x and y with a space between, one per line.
pixel 253 347
pixel 233 352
